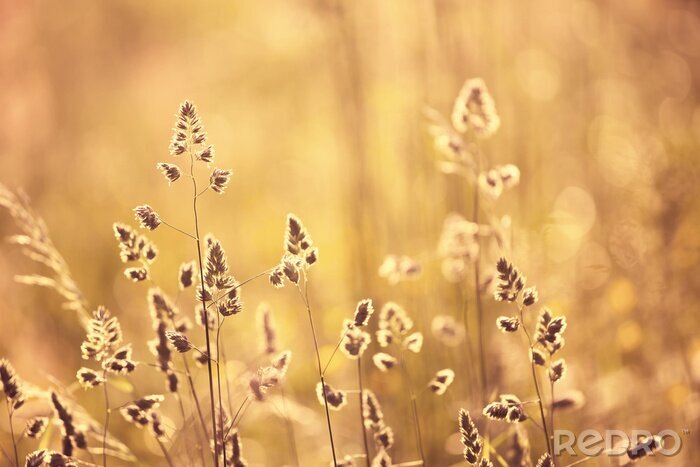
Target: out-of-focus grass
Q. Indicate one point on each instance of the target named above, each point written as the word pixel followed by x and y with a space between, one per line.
pixel 317 107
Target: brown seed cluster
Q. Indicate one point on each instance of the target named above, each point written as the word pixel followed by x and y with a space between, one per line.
pixel 103 335
pixel 645 447
pixel 218 180
pixel 163 317
pixel 473 444
pixel 219 286
pixel 71 436
pixel 142 413
pixel 147 217
pixel 353 340
pixel 120 362
pixel 46 458
pixel 269 376
pixel 11 385
pixel 133 246
pixel 189 135
pixel 382 433
pixel 441 381
pixel 508 408
pixel 36 427
pixel 510 281
pixel 88 378
pixel 545 461
pixel 171 172
pixel 187 274
pixel 363 312
pixel 299 254
pixel 336 398
pixel 266 326
pixel 180 341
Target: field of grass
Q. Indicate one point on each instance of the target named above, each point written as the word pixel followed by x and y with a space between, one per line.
pixel 433 233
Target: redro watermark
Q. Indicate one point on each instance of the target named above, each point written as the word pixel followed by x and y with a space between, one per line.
pixel 638 443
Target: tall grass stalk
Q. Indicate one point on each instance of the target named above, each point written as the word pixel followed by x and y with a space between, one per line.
pixel 12 433
pixel 106 424
pixel 204 305
pixel 220 323
pixel 540 403
pixel 195 398
pixel 305 298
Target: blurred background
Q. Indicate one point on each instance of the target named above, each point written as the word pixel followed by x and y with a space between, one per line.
pixel 317 107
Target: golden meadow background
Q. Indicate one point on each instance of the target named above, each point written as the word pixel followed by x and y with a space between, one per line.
pixel 317 107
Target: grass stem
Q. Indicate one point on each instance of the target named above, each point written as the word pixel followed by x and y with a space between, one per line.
pixel 218 384
pixel 305 299
pixel 537 388
pixel 12 433
pixel 106 424
pixel 204 307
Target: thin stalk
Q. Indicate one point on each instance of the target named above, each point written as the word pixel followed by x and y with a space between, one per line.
pixel 362 415
pixel 179 230
pixel 12 433
pixel 194 395
pixel 107 411
pixel 414 406
pixel 218 384
pixel 204 306
pixel 580 461
pixel 243 413
pixel 202 423
pixel 165 453
pixel 240 284
pixel 551 418
pixel 196 402
pixel 305 299
pixel 233 420
pixel 335 350
pixel 537 388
